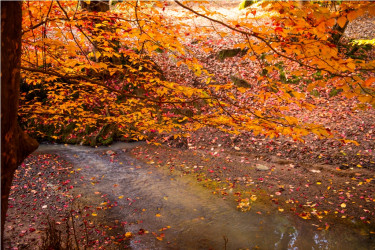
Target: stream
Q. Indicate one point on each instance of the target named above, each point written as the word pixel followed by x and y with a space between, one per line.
pixel 192 217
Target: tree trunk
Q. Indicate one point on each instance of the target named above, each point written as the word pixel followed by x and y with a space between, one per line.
pixel 96 6
pixel 15 144
pixel 101 6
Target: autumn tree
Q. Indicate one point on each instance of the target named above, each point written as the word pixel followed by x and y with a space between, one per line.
pixel 68 85
pixel 15 144
pixel 82 90
pixel 292 45
pixel 73 81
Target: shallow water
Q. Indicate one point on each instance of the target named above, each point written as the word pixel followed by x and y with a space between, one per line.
pixel 155 199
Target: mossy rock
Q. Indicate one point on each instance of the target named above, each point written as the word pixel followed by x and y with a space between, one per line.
pixel 334 92
pixel 63 134
pixel 240 82
pixel 246 3
pixel 195 41
pixel 315 93
pixel 227 53
pixel 76 140
pixel 106 134
pixel 159 50
pixel 107 141
pixel 92 141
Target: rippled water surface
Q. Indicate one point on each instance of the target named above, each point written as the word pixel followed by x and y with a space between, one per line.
pixel 155 199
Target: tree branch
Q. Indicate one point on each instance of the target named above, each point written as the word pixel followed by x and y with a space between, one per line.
pixel 83 78
pixel 253 34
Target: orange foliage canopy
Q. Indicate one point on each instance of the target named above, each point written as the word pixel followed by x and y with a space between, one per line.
pixel 101 67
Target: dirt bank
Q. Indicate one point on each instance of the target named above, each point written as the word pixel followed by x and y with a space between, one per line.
pixel 323 193
pixel 47 212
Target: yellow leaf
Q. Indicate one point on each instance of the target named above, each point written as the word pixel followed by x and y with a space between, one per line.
pixel 128 234
pixel 158 215
pixel 121 196
pixel 365 99
pixel 253 198
pixel 350 141
pixel 343 205
pixel 94 214
pixel 298 95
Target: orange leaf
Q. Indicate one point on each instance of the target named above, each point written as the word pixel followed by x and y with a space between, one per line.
pixel 341 21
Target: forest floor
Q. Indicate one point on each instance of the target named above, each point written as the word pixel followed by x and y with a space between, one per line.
pixel 324 181
pixel 46 212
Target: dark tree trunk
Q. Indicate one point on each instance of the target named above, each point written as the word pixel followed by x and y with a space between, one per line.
pixel 96 6
pixel 15 144
pixel 338 32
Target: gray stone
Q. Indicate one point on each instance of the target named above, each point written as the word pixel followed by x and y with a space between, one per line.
pixel 262 168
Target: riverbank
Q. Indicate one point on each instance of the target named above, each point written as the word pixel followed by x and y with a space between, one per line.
pixel 324 194
pixel 183 197
pixel 47 211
